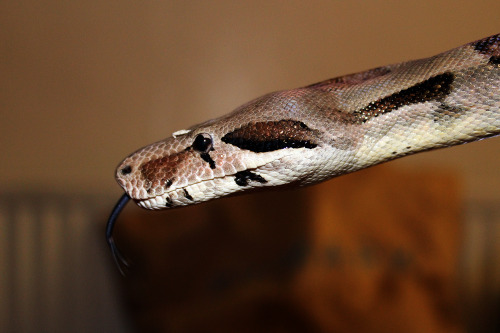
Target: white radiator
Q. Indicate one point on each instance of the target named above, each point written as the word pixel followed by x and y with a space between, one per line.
pixel 55 271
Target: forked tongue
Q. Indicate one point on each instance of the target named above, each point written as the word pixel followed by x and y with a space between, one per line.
pixel 120 260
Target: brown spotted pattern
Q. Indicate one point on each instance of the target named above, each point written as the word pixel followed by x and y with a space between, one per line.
pixel 161 172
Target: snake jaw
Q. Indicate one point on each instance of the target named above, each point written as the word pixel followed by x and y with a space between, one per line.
pixel 185 187
pixel 204 190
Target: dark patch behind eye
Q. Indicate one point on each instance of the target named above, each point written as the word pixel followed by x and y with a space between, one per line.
pixel 272 135
pixel 435 88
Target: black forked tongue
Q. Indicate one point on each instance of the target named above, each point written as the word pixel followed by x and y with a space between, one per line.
pixel 120 260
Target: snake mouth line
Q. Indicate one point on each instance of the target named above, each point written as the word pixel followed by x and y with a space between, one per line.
pixel 165 200
pixel 183 196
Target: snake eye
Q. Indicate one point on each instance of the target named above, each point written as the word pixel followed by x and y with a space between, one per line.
pixel 203 143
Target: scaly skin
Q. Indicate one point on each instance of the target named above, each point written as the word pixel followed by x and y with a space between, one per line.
pixel 310 134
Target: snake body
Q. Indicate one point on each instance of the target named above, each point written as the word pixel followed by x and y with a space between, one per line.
pixel 310 134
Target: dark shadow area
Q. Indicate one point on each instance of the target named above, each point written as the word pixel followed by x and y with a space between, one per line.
pixel 376 251
pixel 222 266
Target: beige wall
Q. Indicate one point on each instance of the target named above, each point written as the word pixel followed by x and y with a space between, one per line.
pixel 84 83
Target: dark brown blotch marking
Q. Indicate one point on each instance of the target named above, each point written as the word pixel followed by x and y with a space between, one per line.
pixel 272 135
pixel 242 178
pixel 161 172
pixel 168 202
pixel 488 45
pixel 432 89
pixel 494 60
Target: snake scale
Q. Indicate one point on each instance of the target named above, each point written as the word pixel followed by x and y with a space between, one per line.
pixel 307 135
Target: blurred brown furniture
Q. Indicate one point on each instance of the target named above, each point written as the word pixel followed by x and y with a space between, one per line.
pixel 375 251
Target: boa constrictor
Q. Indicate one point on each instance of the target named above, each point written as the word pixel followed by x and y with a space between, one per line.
pixel 327 129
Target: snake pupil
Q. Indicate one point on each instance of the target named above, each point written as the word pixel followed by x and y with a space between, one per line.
pixel 202 143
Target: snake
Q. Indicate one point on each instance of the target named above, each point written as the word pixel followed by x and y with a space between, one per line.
pixel 310 134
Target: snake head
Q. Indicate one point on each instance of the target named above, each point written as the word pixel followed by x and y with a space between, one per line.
pixel 263 143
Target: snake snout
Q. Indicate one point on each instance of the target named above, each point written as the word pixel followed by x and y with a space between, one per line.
pixel 125 173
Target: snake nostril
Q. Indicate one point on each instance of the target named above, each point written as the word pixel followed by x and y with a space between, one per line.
pixel 126 170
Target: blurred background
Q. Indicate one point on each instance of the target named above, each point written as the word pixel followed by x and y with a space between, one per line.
pixel 407 246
